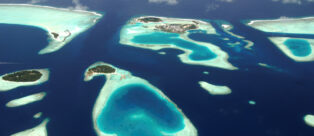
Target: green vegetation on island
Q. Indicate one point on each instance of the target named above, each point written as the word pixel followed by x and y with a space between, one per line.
pixel 176 28
pixel 23 76
pixel 101 69
pixel 149 19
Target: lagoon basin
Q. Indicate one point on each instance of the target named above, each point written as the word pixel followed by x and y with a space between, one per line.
pixel 198 52
pixel 299 47
pixel 136 110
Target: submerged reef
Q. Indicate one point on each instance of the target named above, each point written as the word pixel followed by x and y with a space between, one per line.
pixel 173 33
pixel 62 25
pixel 298 49
pixel 23 78
pixel 129 105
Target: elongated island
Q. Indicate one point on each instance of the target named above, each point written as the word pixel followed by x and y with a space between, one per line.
pixel 62 25
pixel 298 49
pixel 157 33
pixel 39 130
pixel 23 78
pixel 129 105
pixel 26 100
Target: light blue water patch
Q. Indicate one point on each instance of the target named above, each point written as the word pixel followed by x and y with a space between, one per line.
pixel 299 47
pixel 198 52
pixel 135 110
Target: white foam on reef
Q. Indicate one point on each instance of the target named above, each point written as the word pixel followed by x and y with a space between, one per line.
pixel 39 130
pixel 26 100
pixel 279 42
pixel 121 78
pixel 9 85
pixel 285 25
pixel 128 32
pixel 67 23
pixel 309 120
pixel 215 89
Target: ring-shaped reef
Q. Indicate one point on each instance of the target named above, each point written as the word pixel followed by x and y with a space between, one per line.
pixel 298 49
pixel 131 106
pixel 23 78
pixel 173 33
pixel 62 25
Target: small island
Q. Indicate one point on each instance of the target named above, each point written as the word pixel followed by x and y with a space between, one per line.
pixel 39 130
pixel 309 120
pixel 26 100
pixel 23 78
pixel 132 97
pixel 149 19
pixel 156 33
pixel 61 24
pixel 215 89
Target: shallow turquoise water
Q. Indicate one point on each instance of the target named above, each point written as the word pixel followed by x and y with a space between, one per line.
pixel 299 47
pixel 135 110
pixel 198 52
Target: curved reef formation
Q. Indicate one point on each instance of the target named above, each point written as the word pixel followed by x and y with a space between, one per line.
pixel 26 100
pixel 309 120
pixel 215 89
pixel 129 105
pixel 157 33
pixel 284 25
pixel 298 49
pixel 23 78
pixel 62 25
pixel 39 130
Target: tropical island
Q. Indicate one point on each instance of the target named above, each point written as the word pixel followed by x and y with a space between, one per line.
pixel 132 97
pixel 23 78
pixel 155 33
pixel 61 24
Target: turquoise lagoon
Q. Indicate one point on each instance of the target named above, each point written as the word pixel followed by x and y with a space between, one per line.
pixel 160 38
pixel 136 110
pixel 299 47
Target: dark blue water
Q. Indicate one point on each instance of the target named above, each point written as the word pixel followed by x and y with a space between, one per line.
pixel 137 110
pixel 282 98
pixel 298 47
pixel 199 52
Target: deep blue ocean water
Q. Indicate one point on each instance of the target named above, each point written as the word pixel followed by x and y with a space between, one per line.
pixel 282 98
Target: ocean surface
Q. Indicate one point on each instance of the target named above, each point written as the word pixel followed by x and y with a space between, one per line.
pixel 283 93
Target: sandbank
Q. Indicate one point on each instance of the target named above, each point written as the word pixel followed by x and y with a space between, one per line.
pixel 279 42
pixel 309 120
pixel 134 28
pixel 121 78
pixel 215 89
pixel 9 85
pixel 39 130
pixel 62 25
pixel 284 25
pixel 26 100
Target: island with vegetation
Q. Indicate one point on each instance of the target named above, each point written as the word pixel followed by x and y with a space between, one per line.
pixel 23 78
pixel 155 33
pixel 132 97
pixel 61 24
